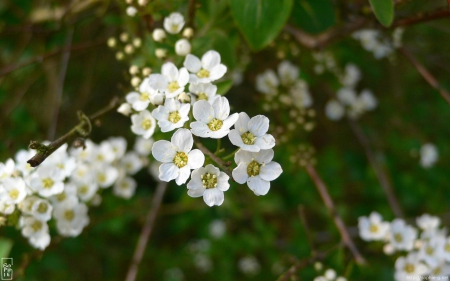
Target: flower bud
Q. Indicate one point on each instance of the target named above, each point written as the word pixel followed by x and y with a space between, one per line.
pixel 124 37
pixel 159 34
pixel 119 56
pixel 134 70
pixel 124 109
pixel 131 11
pixel 184 98
pixel 137 42
pixel 188 32
pixel 142 2
pixel 160 53
pixel 135 81
pixel 129 49
pixel 182 47
pixel 112 42
pixel 146 71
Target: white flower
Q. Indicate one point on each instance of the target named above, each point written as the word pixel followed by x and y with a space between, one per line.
pixel 432 251
pixel 21 157
pixel 103 153
pixel 7 207
pixel 257 169
pixel 203 91
pixel 300 92
pixel 446 249
pixel 249 265
pixel 61 160
pixel 368 99
pixel 174 23
pixel 27 203
pixel 171 115
pixel 106 175
pixel 7 169
pixel 70 191
pixel 82 173
pixel 402 236
pixel 125 109
pixel 143 124
pixel 138 101
pixel 330 274
pixel 84 154
pixel 182 47
pixel 156 97
pixel 334 110
pixel 171 80
pixel 40 242
pixel 212 120
pixel 131 11
pixel 373 227
pixel 125 187
pixel 36 231
pixel 346 96
pixel 217 228
pixel 131 162
pixel 352 75
pixel 158 34
pixel 42 210
pixel 287 72
pixel 119 146
pixel 86 190
pixel 71 218
pixel 267 82
pixel 177 157
pixel 143 146
pixel 13 190
pixel 207 70
pixel 210 183
pixel 428 222
pixel 251 134
pixel 428 155
pixel 409 267
pixel 48 181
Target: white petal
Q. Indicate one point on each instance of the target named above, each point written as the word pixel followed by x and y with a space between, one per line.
pixel 158 82
pixel 200 129
pixel 213 197
pixel 242 123
pixel 222 182
pixel 183 77
pixel 264 156
pixel 258 185
pixel 160 113
pixel 221 108
pixel 235 138
pixel 182 140
pixel 184 109
pixel 258 125
pixel 210 59
pixel 196 158
pixel 265 142
pixel 183 176
pixel 243 156
pixel 217 72
pixel 192 63
pixel 230 121
pixel 196 192
pixel 270 171
pixel 163 151
pixel 132 97
pixel 168 172
pixel 170 71
pixel 171 104
pixel 203 111
pixel 240 173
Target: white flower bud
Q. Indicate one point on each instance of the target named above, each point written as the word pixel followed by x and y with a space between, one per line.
pixel 135 81
pixel 340 278
pixel 146 71
pixel 124 37
pixel 137 42
pixel 142 2
pixel 160 53
pixel 129 49
pixel 119 56
pixel 188 32
pixel 330 274
pixel 128 1
pixel 112 42
pixel 318 266
pixel 124 109
pixel 131 11
pixel 134 69
pixel 184 98
pixel 182 47
pixel 388 249
pixel 159 34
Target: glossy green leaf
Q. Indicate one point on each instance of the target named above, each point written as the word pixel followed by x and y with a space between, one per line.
pixel 383 10
pixel 313 16
pixel 260 21
pixel 5 247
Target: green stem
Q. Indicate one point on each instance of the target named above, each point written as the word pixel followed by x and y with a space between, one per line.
pixel 231 154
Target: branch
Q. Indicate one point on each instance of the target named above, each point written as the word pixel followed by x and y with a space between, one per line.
pixel 215 158
pixel 381 174
pixel 422 17
pixel 426 74
pixel 323 191
pixel 146 232
pixel 191 14
pixel 44 151
pixel 296 267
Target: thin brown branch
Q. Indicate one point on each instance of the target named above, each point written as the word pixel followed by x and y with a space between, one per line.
pixel 426 74
pixel 191 14
pixel 323 191
pixel 83 129
pixel 296 267
pixel 214 157
pixel 381 174
pixel 422 17
pixel 146 232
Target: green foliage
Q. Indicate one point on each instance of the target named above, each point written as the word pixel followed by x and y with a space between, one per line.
pixel 313 16
pixel 383 10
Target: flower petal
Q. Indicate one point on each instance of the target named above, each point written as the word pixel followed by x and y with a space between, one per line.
pixel 163 151
pixel 210 59
pixel 183 175
pixel 243 156
pixel 213 197
pixel 230 121
pixel 270 171
pixel 203 111
pixel 258 185
pixel 221 108
pixel 217 72
pixel 242 123
pixel 235 138
pixel 240 173
pixel 196 158
pixel 158 82
pixel 170 71
pixel 168 172
pixel 222 182
pixel 192 63
pixel 265 142
pixel 258 125
pixel 264 156
pixel 182 140
pixel 200 129
pixel 196 192
pixel 183 77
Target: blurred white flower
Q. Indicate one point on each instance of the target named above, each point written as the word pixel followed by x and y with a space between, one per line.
pixel 71 218
pixel 409 267
pixel 125 187
pixel 171 115
pixel 426 221
pixel 131 11
pixel 159 34
pixel 217 228
pixel 428 155
pixel 182 47
pixel 334 110
pixel 373 227
pixel 174 23
pixel 143 124
pixel 402 236
pixel 47 181
pixel 267 82
pixel 287 72
pixel 210 183
pixel 203 91
pixel 249 265
pixel 143 146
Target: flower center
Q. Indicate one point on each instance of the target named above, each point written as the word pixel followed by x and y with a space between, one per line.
pixel 60 165
pixel 398 237
pixel 173 86
pixel 202 96
pixel 180 159
pixel 61 197
pixel 209 180
pixel 447 248
pixel 253 168
pixel 174 117
pixel 248 138
pixel 144 96
pixel 36 226
pixel 203 73
pixel 14 194
pixel 215 124
pixel 69 215
pixel 83 189
pixel 124 185
pixel 373 228
pixel 409 268
pixel 429 250
pixel 47 182
pixel 42 208
pixel 174 27
pixel 146 124
pixel 101 178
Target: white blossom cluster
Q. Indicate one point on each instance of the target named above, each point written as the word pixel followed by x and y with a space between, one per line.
pixel 324 61
pixel 180 98
pixel 329 275
pixel 428 155
pixel 348 102
pixel 374 41
pixel 425 251
pixel 64 184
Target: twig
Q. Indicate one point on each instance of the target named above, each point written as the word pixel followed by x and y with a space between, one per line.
pixel 44 151
pixel 422 17
pixel 214 157
pixel 191 14
pixel 381 174
pixel 297 266
pixel 426 74
pixel 146 232
pixel 323 191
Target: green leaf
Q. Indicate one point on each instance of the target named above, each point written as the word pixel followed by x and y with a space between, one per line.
pixel 313 16
pixel 260 21
pixel 224 86
pixel 5 247
pixel 383 10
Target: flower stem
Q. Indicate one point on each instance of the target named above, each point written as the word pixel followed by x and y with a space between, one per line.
pixel 214 157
